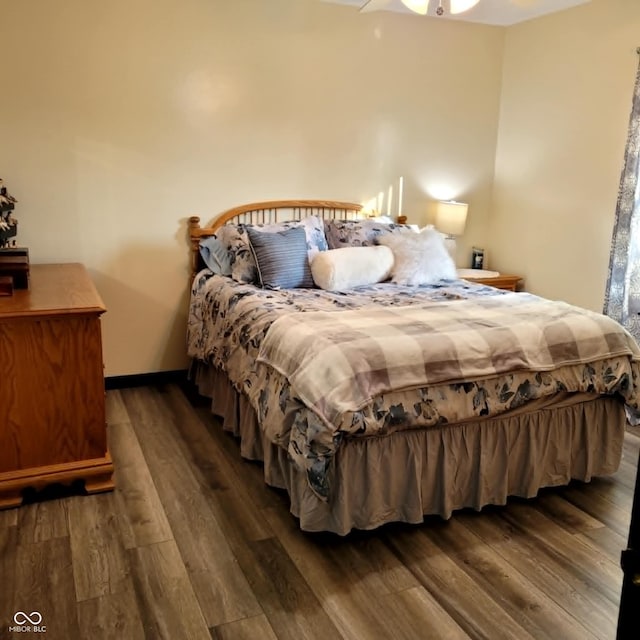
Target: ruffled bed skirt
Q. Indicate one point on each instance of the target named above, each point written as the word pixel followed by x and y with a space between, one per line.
pixel 406 475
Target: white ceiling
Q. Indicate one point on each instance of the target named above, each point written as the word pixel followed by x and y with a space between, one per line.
pixel 495 12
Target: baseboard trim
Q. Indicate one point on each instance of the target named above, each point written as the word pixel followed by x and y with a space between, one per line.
pixel 178 376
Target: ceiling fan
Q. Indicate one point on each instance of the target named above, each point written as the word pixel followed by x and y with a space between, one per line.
pixel 421 6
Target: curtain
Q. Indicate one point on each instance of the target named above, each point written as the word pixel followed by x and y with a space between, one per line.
pixel 622 295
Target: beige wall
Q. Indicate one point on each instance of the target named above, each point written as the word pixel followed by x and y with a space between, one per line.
pixel 566 99
pixel 120 119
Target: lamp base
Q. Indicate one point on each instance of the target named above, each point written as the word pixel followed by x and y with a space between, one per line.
pixel 451 246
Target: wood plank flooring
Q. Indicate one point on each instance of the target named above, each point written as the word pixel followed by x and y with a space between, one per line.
pixel 193 545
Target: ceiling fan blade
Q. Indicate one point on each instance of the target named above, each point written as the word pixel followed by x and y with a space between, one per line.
pixel 374 5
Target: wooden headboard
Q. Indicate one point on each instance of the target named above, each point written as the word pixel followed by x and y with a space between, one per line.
pixel 268 213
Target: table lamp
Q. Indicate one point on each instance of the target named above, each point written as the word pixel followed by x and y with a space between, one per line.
pixel 451 218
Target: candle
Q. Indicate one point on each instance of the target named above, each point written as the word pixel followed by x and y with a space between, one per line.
pixel 380 200
pixel 389 200
pixel 400 196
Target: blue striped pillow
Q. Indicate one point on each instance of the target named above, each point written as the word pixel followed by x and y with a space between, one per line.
pixel 281 258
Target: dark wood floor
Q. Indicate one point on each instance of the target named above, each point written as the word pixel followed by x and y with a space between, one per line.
pixel 192 544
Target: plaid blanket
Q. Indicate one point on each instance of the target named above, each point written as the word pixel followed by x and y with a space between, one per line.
pixel 339 361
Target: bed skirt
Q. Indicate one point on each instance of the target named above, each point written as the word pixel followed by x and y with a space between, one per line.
pixel 406 475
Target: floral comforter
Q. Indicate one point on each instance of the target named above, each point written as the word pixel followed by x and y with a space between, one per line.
pixel 228 323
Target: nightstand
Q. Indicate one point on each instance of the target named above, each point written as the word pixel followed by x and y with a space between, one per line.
pixel 491 278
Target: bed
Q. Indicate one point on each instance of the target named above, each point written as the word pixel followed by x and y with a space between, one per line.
pixel 386 401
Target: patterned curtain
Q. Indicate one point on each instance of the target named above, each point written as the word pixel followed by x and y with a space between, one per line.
pixel 622 297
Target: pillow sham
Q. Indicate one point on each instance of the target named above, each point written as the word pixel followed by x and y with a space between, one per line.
pixel 243 266
pixel 350 267
pixel 281 258
pixel 215 256
pixel 358 233
pixel 419 258
pixel 235 240
pixel 313 228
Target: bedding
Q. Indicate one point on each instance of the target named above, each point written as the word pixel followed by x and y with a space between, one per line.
pixel 216 256
pixel 359 233
pixel 245 315
pixel 402 477
pixel 338 362
pixel 235 240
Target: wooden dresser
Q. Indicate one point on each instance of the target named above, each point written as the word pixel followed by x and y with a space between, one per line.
pixel 52 402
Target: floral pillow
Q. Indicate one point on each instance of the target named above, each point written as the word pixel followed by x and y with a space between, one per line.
pixel 358 233
pixel 235 239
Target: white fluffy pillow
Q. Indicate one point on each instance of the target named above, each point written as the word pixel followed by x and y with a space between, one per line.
pixel 349 267
pixel 419 258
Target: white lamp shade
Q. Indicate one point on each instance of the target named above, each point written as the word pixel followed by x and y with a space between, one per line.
pixel 419 6
pixel 451 217
pixel 460 6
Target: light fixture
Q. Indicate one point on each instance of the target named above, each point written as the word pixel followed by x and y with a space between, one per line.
pixel 418 6
pixel 455 6
pixel 451 219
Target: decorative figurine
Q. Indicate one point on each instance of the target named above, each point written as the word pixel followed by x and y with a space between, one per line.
pixel 8 224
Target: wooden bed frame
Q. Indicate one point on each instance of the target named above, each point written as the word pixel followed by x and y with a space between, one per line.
pixel 586 432
pixel 267 213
